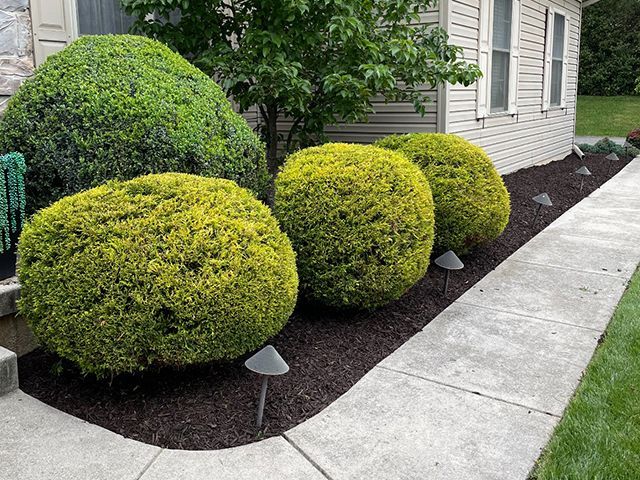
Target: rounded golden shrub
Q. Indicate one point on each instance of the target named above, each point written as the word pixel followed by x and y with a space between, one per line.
pixel 361 221
pixel 472 204
pixel 166 269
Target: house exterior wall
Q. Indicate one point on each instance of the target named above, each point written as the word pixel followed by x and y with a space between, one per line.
pixel 16 47
pixel 532 136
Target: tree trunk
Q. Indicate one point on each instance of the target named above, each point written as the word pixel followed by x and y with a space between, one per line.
pixel 272 139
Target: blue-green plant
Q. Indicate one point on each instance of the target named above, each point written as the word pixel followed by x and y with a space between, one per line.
pixel 12 197
pixel 606 146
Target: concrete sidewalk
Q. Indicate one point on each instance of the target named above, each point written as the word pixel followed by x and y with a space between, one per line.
pixel 592 140
pixel 475 395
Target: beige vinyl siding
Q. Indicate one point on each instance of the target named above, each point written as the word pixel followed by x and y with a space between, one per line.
pixel 532 136
pixel 252 116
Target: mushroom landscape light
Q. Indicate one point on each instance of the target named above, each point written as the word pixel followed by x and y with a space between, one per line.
pixel 583 172
pixel 542 200
pixel 267 362
pixel 612 157
pixel 448 261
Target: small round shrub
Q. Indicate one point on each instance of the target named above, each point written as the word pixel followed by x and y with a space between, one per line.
pixel 472 205
pixel 634 138
pixel 120 106
pixel 360 219
pixel 163 270
pixel 606 146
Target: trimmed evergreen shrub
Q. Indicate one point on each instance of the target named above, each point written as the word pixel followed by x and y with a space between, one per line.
pixel 361 221
pixel 606 146
pixel 167 269
pixel 119 106
pixel 472 204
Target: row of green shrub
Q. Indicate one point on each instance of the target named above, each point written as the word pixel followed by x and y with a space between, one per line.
pixel 609 48
pixel 176 268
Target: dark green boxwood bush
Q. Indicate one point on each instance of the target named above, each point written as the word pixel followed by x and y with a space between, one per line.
pixel 471 202
pixel 119 106
pixel 167 269
pixel 361 221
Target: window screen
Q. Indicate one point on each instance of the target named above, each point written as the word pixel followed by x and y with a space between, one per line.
pixel 501 55
pixel 96 17
pixel 557 60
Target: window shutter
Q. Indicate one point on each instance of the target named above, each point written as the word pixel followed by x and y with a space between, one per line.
pixel 484 44
pixel 54 26
pixel 565 63
pixel 514 61
pixel 548 50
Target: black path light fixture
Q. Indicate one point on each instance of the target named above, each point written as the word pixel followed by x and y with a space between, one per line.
pixel 267 362
pixel 542 200
pixel 448 261
pixel 612 157
pixel 583 171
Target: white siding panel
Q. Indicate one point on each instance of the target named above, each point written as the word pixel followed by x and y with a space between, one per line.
pixel 531 136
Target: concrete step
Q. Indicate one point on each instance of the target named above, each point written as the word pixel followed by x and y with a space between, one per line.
pixel 8 371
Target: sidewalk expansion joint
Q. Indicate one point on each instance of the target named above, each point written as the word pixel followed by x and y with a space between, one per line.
pixel 617 242
pixel 620 275
pixel 551 229
pixel 473 392
pixel 149 463
pixel 469 304
pixel 306 457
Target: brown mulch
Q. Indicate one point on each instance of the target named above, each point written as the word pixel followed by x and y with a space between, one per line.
pixel 214 406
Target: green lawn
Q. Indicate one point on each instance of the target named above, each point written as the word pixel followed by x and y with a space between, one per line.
pixel 599 435
pixel 607 116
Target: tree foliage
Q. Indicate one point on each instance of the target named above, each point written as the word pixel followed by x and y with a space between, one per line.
pixel 610 48
pixel 313 61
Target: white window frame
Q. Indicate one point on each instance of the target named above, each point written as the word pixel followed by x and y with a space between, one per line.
pixel 485 49
pixel 548 60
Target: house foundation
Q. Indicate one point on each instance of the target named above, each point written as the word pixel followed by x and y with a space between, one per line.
pixel 16 47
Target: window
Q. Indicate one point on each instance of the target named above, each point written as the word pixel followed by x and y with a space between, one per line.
pixel 96 17
pixel 556 60
pixel 498 57
pixel 56 23
pixel 557 56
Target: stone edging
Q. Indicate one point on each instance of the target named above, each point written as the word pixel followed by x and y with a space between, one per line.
pixel 9 294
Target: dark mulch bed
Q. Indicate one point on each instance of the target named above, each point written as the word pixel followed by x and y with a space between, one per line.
pixel 214 406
